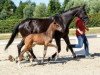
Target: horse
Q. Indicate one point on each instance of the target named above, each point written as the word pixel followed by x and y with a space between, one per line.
pixel 32 25
pixel 44 38
pixel 35 25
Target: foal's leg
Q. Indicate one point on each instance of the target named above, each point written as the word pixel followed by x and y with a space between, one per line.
pixel 44 53
pixel 66 38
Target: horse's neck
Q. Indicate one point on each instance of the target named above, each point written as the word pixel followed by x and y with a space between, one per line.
pixel 68 17
pixel 50 32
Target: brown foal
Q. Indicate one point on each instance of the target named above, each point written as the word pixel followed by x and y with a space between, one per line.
pixel 44 38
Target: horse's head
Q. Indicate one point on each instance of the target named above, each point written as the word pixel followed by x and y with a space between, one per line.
pixel 58 19
pixel 81 13
pixel 56 26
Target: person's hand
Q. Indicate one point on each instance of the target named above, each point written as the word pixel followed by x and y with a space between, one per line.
pixel 81 32
pixel 87 29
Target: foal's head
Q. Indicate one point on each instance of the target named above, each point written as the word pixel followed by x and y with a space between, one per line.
pixel 56 26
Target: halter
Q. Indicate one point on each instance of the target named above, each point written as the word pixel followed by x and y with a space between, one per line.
pixel 83 18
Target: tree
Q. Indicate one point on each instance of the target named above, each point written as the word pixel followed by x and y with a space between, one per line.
pixel 2 4
pixel 19 10
pixel 3 14
pixel 93 6
pixel 74 3
pixel 53 7
pixel 64 4
pixel 8 5
pixel 40 10
pixel 28 10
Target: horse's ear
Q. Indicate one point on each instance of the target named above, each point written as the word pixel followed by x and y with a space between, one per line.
pixel 54 22
pixel 84 6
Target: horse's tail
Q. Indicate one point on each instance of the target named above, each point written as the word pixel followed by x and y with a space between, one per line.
pixel 14 33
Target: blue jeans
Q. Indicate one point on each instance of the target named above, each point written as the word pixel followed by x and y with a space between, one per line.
pixel 82 40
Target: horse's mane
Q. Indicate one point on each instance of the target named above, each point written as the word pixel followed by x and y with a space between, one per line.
pixel 69 9
pixel 28 19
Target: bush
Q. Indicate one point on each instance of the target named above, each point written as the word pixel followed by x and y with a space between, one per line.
pixel 94 21
pixel 6 26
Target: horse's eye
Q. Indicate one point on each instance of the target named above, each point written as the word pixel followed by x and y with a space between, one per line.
pixel 54 22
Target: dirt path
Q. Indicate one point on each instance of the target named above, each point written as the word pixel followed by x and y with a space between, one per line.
pixel 65 65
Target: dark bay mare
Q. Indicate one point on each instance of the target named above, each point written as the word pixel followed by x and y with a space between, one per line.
pixel 33 25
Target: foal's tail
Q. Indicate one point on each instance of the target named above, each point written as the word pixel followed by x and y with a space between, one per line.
pixel 14 33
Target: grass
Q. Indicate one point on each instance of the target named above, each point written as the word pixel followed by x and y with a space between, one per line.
pixel 7 36
pixel 95 30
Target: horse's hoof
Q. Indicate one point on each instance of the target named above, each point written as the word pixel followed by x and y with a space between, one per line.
pixel 67 49
pixel 75 57
pixel 48 62
pixel 49 59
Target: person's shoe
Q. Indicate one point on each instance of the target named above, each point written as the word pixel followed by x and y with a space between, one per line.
pixel 89 57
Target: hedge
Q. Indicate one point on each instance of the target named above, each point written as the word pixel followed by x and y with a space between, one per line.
pixel 6 26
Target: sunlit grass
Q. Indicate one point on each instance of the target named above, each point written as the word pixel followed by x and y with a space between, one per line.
pixel 95 30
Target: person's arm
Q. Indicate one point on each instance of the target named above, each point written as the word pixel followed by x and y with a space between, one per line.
pixel 78 26
pixel 79 31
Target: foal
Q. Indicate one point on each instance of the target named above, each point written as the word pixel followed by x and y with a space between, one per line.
pixel 44 38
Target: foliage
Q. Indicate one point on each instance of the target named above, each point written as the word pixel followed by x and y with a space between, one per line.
pixel 7 25
pixel 28 10
pixel 40 10
pixel 19 10
pixel 11 15
pixel 3 14
pixel 1 4
pixel 64 4
pixel 8 7
pixel 94 21
pixel 74 3
pixel 93 6
pixel 53 7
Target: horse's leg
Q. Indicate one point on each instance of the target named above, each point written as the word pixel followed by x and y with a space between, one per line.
pixel 44 53
pixel 52 45
pixel 33 55
pixel 19 46
pixel 21 57
pixel 58 43
pixel 66 38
